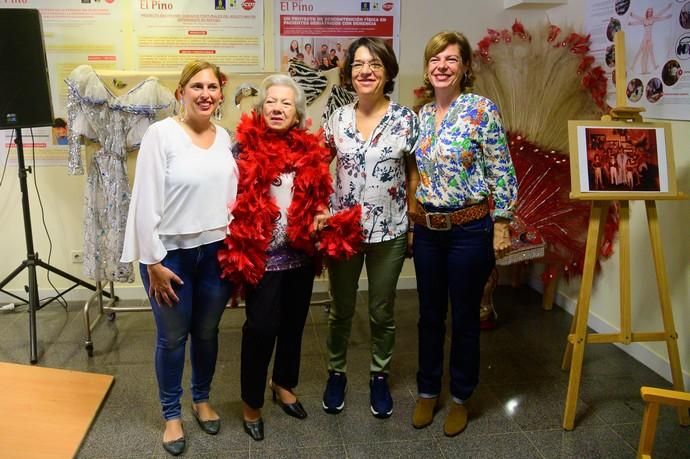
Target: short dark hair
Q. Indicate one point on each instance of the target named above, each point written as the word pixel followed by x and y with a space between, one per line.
pixel 379 48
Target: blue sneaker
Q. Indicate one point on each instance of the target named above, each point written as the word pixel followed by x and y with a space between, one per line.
pixel 334 395
pixel 380 398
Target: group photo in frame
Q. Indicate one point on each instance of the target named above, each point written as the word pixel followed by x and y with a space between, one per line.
pixel 621 158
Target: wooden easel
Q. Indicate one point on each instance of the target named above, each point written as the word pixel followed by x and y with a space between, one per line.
pixel 578 337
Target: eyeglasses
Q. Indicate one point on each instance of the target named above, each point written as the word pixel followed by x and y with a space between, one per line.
pixel 374 66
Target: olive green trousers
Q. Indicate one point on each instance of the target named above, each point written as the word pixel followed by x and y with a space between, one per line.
pixel 384 262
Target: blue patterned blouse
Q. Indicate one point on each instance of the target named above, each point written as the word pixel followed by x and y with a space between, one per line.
pixel 467 158
pixel 372 172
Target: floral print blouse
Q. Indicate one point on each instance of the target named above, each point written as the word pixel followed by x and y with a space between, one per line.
pixel 467 159
pixel 372 172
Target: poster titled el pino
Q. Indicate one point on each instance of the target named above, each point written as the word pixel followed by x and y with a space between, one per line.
pixel 318 33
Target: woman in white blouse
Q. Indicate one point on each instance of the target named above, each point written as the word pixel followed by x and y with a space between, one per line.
pixel 373 141
pixel 186 178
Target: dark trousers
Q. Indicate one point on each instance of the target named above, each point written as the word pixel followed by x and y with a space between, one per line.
pixel 456 263
pixel 276 312
pixel 202 301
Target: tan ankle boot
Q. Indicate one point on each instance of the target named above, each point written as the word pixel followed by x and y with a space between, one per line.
pixel 424 412
pixel 456 420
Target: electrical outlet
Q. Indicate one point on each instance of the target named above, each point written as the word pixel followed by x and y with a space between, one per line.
pixel 77 256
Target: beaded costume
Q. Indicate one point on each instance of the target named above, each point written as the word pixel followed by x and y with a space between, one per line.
pixel 117 123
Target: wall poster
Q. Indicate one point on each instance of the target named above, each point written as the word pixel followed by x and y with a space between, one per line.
pixel 74 33
pixel 135 35
pixel 657 41
pixel 319 32
pixel 170 33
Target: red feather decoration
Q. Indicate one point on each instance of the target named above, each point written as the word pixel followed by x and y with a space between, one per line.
pixel 264 155
pixel 545 212
pixel 343 235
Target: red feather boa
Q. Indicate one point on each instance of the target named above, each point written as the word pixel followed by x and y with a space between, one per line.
pixel 264 155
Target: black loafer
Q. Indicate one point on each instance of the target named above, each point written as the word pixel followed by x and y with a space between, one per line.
pixel 175 447
pixel 296 410
pixel 211 427
pixel 254 429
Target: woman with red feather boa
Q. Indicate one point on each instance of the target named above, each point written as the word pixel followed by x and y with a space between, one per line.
pixel 271 249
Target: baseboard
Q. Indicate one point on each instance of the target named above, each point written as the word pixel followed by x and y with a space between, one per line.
pixel 122 291
pixel 655 362
pixel 136 292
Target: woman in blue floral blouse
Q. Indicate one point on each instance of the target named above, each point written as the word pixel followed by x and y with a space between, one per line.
pixel 373 141
pixel 463 163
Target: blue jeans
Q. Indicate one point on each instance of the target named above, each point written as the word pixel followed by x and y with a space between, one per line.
pixel 456 262
pixel 202 301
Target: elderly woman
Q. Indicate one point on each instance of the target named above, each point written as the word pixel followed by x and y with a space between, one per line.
pixel 186 177
pixel 373 141
pixel 282 195
pixel 463 161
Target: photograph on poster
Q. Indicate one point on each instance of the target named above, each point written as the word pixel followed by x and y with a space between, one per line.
pixel 320 35
pixel 322 53
pixel 59 132
pixel 671 72
pixel 634 90
pixel 621 158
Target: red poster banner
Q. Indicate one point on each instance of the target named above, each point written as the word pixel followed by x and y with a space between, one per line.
pixel 336 26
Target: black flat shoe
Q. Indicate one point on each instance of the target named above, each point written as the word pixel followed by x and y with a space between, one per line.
pixel 296 410
pixel 254 429
pixel 211 427
pixel 175 447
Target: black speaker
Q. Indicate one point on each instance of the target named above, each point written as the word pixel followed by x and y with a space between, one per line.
pixel 24 87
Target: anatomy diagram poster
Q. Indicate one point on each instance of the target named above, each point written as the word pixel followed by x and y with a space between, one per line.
pixel 657 41
pixel 318 32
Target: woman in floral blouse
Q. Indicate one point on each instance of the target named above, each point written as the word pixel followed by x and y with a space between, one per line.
pixel 373 141
pixel 463 163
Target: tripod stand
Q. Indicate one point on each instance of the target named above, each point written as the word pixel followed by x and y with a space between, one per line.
pixel 32 260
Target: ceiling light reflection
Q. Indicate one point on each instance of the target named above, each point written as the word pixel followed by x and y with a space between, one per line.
pixel 512 405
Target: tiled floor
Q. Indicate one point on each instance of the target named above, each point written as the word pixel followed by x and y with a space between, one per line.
pixel 515 413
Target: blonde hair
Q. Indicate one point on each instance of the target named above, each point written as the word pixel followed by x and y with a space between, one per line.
pixel 437 44
pixel 194 67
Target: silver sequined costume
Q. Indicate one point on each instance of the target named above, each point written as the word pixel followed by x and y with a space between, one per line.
pixel 117 123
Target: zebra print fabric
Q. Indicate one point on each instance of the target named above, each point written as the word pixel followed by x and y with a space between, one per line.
pixel 339 96
pixel 310 80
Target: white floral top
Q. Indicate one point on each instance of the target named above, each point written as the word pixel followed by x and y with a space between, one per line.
pixel 372 172
pixel 467 159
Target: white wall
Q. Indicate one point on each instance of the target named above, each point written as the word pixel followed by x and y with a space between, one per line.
pixel 63 195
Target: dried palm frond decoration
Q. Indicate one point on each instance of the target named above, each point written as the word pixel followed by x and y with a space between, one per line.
pixel 539 81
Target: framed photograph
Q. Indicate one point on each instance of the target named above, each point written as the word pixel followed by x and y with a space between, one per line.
pixel 620 160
